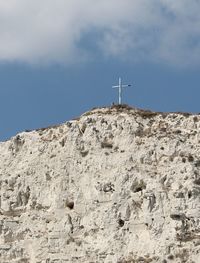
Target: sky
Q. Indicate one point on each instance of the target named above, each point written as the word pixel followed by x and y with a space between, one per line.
pixel 60 58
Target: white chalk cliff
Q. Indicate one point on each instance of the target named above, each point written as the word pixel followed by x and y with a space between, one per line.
pixel 117 185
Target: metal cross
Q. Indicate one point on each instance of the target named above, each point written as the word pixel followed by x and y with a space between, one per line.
pixel 120 86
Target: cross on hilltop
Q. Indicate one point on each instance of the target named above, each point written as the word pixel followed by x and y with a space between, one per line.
pixel 120 86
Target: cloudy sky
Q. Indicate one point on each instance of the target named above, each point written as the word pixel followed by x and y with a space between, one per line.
pixel 59 58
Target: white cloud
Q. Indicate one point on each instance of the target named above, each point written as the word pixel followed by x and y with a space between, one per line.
pixel 55 31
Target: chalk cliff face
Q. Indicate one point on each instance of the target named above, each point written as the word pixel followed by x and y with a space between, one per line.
pixel 116 185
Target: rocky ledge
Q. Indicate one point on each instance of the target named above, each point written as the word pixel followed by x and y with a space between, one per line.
pixel 115 185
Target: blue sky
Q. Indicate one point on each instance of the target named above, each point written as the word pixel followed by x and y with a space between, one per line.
pixel 60 58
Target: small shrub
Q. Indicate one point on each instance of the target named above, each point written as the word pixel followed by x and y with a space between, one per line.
pixel 147 114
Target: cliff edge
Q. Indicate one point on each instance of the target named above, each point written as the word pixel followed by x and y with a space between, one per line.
pixel 115 185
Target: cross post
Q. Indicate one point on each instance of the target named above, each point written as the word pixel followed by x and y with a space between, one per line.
pixel 120 87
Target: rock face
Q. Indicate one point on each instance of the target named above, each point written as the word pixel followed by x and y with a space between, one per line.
pixel 116 185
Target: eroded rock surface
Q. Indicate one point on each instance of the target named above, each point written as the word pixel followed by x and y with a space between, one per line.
pixel 117 185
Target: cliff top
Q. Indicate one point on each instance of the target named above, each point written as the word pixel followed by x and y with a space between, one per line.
pixel 125 109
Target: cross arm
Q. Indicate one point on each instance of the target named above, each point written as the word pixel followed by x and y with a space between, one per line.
pixel 124 86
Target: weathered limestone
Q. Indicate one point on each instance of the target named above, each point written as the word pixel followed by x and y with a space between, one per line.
pixel 117 185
